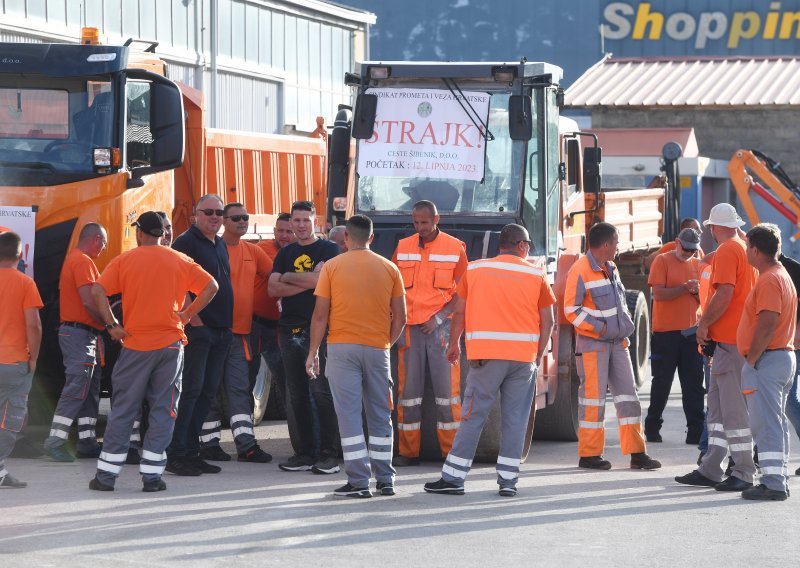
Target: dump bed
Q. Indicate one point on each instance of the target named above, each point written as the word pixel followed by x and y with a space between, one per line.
pixel 636 213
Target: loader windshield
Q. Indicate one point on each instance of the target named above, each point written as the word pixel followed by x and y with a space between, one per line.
pixel 49 127
pixel 487 181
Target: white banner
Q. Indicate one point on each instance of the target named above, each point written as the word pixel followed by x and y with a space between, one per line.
pixel 425 133
pixel 21 220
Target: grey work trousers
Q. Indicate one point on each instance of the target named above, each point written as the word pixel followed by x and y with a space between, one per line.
pixel 15 384
pixel 360 377
pixel 154 376
pixel 236 386
pixel 515 383
pixel 728 420
pixel 766 388
pixel 80 397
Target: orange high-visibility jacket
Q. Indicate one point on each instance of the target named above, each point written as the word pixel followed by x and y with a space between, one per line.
pixel 503 298
pixel 429 273
pixel 595 296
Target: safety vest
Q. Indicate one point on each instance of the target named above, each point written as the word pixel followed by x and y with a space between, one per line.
pixel 705 284
pixel 428 274
pixel 502 310
pixel 593 297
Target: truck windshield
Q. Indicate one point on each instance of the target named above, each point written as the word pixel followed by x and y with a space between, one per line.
pixel 487 181
pixel 52 125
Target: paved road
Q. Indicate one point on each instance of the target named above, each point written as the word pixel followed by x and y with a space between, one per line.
pixel 254 515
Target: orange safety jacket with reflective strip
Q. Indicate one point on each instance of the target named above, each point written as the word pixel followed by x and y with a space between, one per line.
pixel 595 296
pixel 429 274
pixel 502 308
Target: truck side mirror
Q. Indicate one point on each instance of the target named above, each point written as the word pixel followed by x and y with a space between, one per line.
pixel 364 117
pixel 166 124
pixel 573 161
pixel 520 119
pixel 592 168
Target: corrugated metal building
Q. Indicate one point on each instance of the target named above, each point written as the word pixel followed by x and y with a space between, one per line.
pixel 278 63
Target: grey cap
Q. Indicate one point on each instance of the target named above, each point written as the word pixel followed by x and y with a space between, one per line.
pixel 689 239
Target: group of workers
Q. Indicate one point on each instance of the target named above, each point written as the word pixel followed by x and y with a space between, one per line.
pixel 197 314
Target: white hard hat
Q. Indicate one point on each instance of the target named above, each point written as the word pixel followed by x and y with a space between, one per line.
pixel 724 215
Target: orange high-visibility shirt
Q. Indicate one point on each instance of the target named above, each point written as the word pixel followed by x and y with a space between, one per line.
pixel 678 313
pixel 430 273
pixel 773 292
pixel 78 270
pixel 247 262
pixel 705 284
pixel 503 297
pixel 731 267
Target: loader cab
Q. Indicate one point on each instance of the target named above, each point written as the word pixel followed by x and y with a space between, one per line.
pixel 480 140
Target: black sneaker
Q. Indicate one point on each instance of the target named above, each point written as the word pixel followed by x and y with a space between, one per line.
pixel 297 463
pixel 59 454
pixel 8 481
pixel 763 493
pixel 384 488
pixel 153 486
pixel 594 462
pixel 204 466
pixel 692 437
pixel 797 472
pixel 653 437
pixel 733 484
pixel 97 485
pixel 696 478
pixel 348 490
pixel 444 488
pixel 326 465
pixel 255 455
pixel 133 457
pixel 507 492
pixel 183 467
pixel 642 461
pixel 403 461
pixel 91 454
pixel 215 453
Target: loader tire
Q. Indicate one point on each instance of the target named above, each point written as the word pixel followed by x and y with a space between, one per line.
pixel 640 338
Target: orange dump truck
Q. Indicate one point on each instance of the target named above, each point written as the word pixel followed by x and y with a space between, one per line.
pixel 98 133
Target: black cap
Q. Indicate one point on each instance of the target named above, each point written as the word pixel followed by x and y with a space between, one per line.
pixel 150 223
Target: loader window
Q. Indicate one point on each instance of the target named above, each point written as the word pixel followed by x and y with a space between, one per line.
pixel 138 137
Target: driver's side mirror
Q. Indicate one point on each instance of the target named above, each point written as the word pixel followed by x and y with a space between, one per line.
pixel 364 116
pixel 520 119
pixel 592 168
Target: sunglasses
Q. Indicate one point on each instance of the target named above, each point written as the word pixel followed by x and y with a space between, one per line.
pixel 237 218
pixel 210 212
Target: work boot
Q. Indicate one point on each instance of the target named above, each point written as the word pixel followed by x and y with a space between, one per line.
pixel 153 486
pixel 594 462
pixel 444 487
pixel 255 455
pixel 384 488
pixel 133 457
pixel 59 454
pixel 204 466
pixel 97 485
pixel 692 438
pixel 215 453
pixel 183 467
pixel 8 481
pixel 653 437
pixel 729 469
pixel 326 465
pixel 507 492
pixel 91 454
pixel 642 461
pixel 297 463
pixel 348 490
pixel 403 461
pixel 797 471
pixel 696 478
pixel 733 484
pixel 763 493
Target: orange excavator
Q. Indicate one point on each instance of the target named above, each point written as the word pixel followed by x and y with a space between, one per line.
pixel 780 191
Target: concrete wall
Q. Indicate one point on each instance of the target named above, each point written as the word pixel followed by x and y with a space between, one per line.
pixel 720 132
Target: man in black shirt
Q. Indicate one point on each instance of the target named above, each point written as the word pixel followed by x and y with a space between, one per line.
pixel 209 334
pixel 294 276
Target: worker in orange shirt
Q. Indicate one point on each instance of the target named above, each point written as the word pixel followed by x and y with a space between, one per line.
pixel 20 338
pixel 765 339
pixel 687 223
pixel 432 263
pixel 594 303
pixel 247 261
pixel 728 421
pixel 675 280
pixel 154 281
pixel 704 295
pixel 264 332
pixel 78 339
pixel 505 304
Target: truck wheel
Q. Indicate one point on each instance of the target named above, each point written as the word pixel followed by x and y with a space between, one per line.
pixel 559 421
pixel 640 338
pixel 261 392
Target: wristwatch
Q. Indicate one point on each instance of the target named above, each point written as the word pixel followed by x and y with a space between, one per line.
pixel 437 319
pixel 112 325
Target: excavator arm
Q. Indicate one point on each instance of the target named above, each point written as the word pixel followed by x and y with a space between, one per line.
pixel 780 191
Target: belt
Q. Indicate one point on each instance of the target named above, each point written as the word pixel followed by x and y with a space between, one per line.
pixel 80 325
pixel 265 322
pixel 779 349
